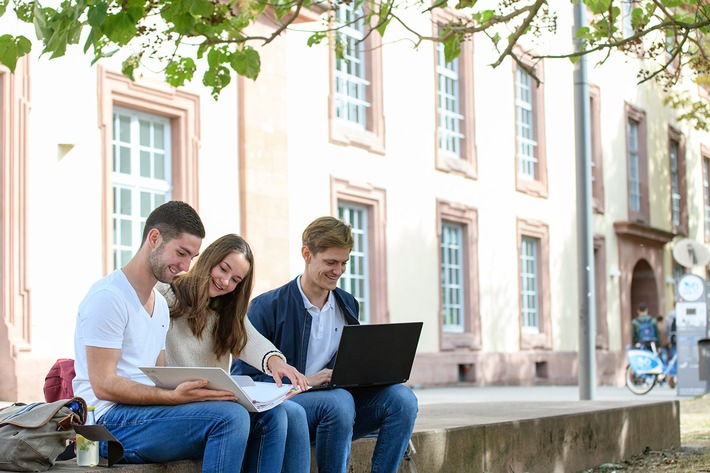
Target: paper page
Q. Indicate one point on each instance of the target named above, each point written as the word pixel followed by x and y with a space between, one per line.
pixel 265 393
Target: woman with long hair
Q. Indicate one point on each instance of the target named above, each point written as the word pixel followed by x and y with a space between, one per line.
pixel 208 325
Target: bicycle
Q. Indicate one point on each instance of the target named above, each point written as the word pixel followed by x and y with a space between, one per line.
pixel 646 369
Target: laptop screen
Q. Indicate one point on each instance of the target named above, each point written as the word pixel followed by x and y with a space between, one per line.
pixel 376 354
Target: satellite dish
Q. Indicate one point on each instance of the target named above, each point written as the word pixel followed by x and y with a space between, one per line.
pixel 690 253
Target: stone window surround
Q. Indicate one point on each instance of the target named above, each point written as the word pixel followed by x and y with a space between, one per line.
pixel 468 218
pixel 183 110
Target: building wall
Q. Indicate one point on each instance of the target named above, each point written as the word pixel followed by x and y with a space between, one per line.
pixel 268 159
pixel 62 248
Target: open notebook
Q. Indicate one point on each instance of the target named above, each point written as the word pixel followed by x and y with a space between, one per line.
pixel 255 396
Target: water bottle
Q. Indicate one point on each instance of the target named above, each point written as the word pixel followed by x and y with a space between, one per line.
pixel 87 451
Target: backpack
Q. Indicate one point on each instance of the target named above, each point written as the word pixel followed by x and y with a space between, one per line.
pixel 32 436
pixel 57 387
pixel 58 382
pixel 647 332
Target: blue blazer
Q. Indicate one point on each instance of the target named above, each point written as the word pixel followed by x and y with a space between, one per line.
pixel 281 317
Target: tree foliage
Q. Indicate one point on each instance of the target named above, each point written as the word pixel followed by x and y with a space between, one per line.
pixel 670 35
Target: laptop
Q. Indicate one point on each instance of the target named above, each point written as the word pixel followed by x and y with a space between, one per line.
pixel 374 355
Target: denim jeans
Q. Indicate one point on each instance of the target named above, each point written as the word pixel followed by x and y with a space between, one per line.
pixel 216 432
pixel 336 417
pixel 267 438
pixel 297 458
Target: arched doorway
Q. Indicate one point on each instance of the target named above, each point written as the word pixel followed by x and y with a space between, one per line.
pixel 644 289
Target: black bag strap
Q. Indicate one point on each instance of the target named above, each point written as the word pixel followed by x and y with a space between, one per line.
pixel 100 433
pixel 97 433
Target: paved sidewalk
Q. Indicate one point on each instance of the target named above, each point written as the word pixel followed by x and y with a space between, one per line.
pixel 456 394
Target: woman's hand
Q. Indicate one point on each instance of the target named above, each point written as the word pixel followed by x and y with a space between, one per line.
pixel 279 369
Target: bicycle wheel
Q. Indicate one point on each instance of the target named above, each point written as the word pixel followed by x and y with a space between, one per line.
pixel 639 383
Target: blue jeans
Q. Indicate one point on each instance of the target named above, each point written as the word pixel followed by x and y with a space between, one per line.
pixel 297 458
pixel 267 439
pixel 336 417
pixel 215 432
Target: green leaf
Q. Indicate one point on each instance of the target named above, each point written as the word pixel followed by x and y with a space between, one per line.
pixel 383 18
pixel 130 65
pixel 465 4
pixel 180 71
pixel 452 47
pixel 183 23
pixel 25 11
pixel 383 26
pixel 201 8
pixel 598 6
pixel 216 56
pixel 217 78
pixel 582 32
pixel 39 16
pixel 135 10
pixel 97 14
pixel 13 48
pixel 281 9
pixel 484 15
pixel 92 39
pixel 119 28
pixel 247 63
pixel 316 38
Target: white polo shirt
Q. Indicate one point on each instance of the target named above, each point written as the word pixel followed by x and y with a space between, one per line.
pixel 326 327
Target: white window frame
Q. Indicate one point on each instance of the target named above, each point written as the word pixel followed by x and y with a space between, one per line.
pixel 156 189
pixel 634 173
pixel 525 124
pixel 351 84
pixel 356 278
pixel 674 149
pixel 453 292
pixel 530 284
pixel 451 134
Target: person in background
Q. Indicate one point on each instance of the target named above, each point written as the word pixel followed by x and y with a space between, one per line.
pixel 304 319
pixel 644 329
pixel 121 326
pixel 208 326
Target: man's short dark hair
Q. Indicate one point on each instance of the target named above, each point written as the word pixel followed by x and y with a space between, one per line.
pixel 172 219
pixel 642 307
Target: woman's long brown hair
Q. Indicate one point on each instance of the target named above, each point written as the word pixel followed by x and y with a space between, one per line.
pixel 193 300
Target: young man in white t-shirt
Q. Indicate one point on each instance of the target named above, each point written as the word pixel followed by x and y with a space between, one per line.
pixel 121 326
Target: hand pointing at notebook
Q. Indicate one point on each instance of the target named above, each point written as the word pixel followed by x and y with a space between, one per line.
pixel 279 369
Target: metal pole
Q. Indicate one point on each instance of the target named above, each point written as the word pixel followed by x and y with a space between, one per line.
pixel 587 307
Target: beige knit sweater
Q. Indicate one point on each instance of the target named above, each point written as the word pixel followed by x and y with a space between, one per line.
pixel 183 348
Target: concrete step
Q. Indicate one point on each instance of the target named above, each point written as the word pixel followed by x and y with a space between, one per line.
pixel 533 437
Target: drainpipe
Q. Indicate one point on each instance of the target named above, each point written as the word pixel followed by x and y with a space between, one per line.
pixel 585 248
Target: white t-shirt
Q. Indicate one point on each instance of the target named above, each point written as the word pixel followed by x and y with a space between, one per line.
pixel 326 328
pixel 112 316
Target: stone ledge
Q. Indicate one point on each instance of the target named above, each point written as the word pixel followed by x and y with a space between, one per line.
pixel 533 437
